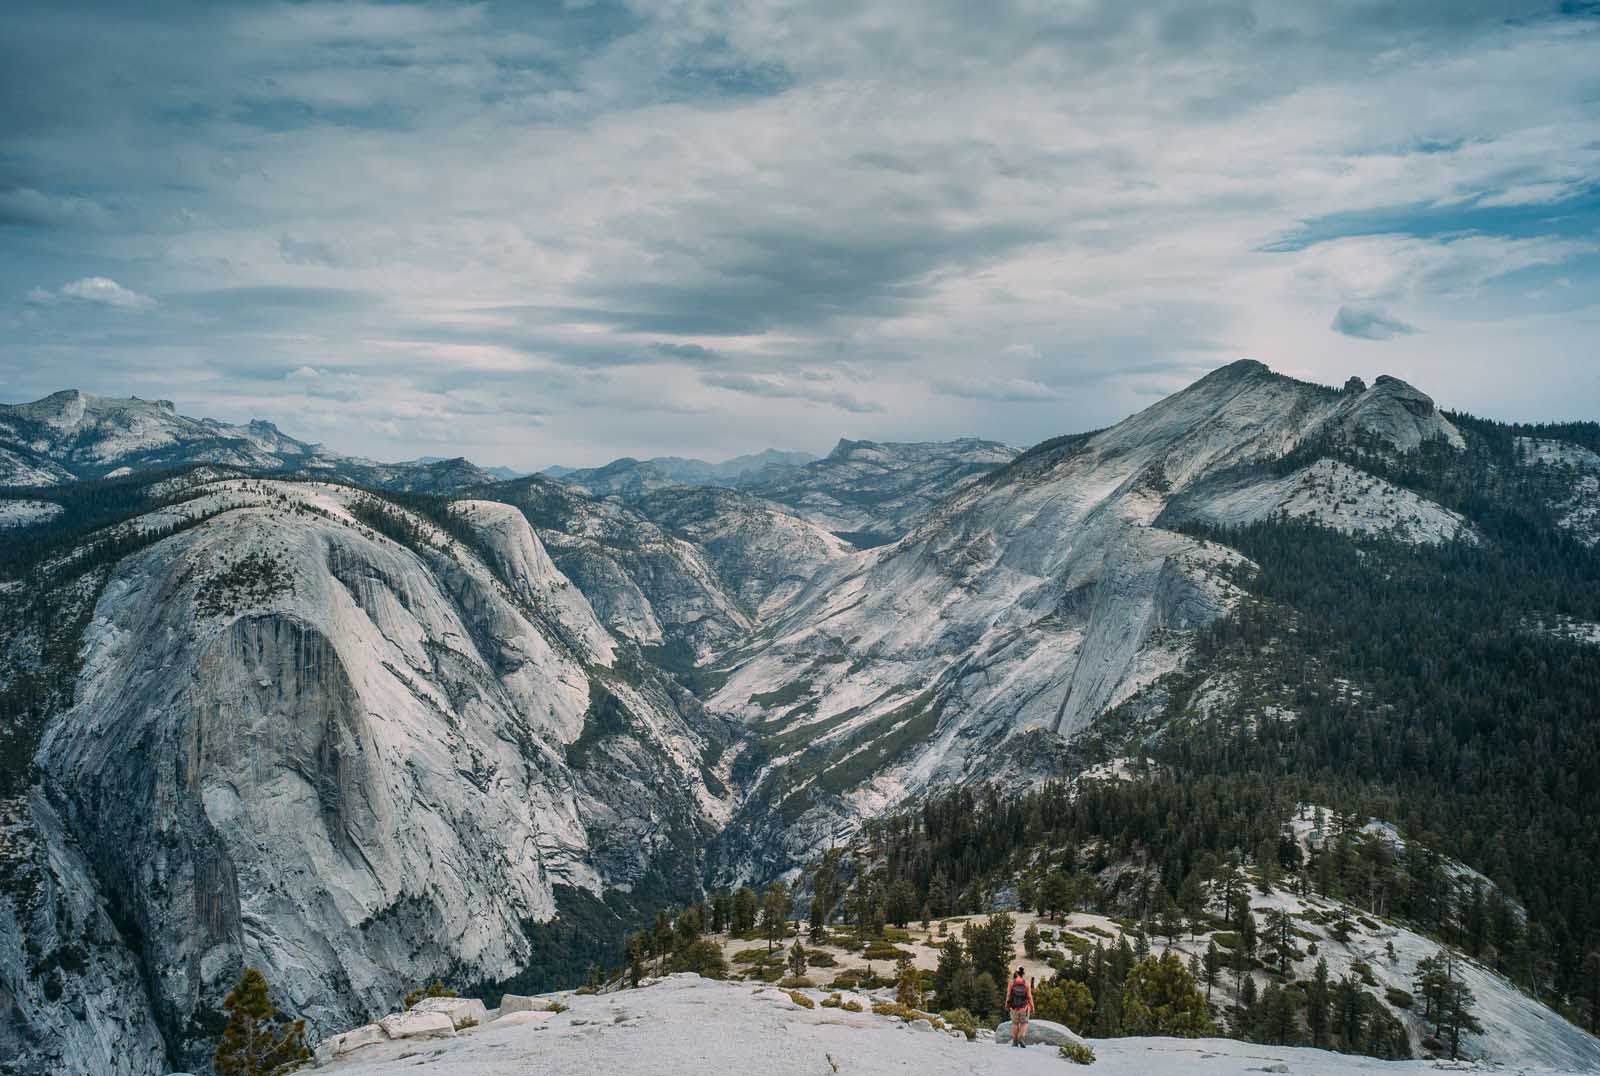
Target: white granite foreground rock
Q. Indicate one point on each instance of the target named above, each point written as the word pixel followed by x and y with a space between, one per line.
pixel 1040 1033
pixel 339 1045
pixel 690 1027
pixel 521 1003
pixel 524 1016
pixel 462 1012
pixel 409 1024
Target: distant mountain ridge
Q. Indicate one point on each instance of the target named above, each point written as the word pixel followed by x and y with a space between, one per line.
pixel 632 477
pixel 72 436
pixel 865 491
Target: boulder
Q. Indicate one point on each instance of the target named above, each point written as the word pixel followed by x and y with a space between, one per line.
pixel 1040 1032
pixel 921 1024
pixel 463 1012
pixel 338 1045
pixel 521 1003
pixel 414 1022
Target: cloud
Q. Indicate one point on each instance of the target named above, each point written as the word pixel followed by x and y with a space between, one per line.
pixel 27 207
pixel 1008 389
pixel 95 290
pixel 1369 323
pixel 306 252
pixel 780 389
pixel 699 228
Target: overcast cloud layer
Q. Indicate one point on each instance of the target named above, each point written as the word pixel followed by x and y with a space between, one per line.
pixel 562 233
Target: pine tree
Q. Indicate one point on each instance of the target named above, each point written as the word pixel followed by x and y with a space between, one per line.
pixel 799 959
pixel 661 937
pixel 745 908
pixel 1348 1013
pixel 1591 987
pixel 952 958
pixel 1280 941
pixel 1030 940
pixel 901 902
pixel 775 907
pixel 1317 1002
pixel 1160 998
pixel 1212 965
pixel 637 949
pixel 1055 895
pixel 1456 1016
pixel 256 1040
pixel 908 984
pixel 824 890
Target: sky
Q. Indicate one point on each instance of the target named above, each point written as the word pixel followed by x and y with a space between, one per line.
pixel 537 233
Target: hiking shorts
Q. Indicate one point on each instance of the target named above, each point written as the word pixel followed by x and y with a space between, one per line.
pixel 1019 1017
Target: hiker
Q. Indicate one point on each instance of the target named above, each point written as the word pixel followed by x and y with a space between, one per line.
pixel 1019 1002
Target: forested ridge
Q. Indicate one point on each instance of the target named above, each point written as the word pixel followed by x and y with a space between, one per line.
pixel 1428 685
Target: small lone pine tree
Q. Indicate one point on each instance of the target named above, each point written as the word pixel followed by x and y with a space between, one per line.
pixel 908 985
pixel 799 959
pixel 257 1041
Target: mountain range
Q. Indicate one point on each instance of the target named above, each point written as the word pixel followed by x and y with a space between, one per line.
pixel 362 724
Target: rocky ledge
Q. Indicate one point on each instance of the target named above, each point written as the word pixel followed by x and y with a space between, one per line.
pixel 687 1025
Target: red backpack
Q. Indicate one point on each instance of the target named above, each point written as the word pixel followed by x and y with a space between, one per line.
pixel 1018 998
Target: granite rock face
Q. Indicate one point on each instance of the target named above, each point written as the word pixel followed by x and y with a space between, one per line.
pixel 1040 596
pixel 303 746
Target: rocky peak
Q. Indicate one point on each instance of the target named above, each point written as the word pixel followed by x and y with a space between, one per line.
pixel 62 410
pixel 1355 386
pixel 846 448
pixel 1398 413
pixel 1237 370
pixel 1413 400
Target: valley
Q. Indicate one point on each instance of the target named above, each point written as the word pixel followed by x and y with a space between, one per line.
pixel 361 725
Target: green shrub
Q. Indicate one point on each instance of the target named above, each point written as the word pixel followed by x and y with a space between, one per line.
pixel 851 1006
pixel 884 951
pixel 1226 939
pixel 1077 1052
pixel 801 1000
pixel 703 957
pixel 794 982
pixel 435 989
pixel 1079 946
pixel 1068 1003
pixel 1398 998
pixel 819 959
pixel 832 1001
pixel 963 1021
